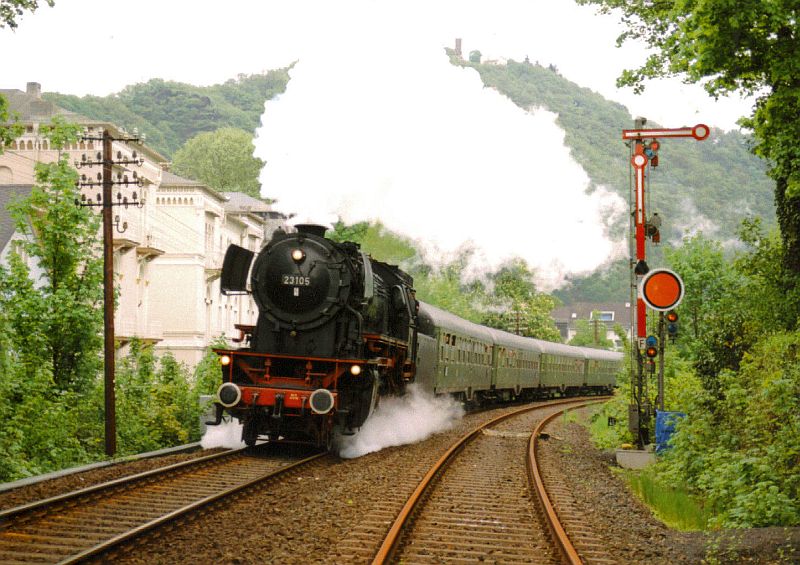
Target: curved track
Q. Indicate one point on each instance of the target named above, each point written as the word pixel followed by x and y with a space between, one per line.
pixel 81 524
pixel 475 503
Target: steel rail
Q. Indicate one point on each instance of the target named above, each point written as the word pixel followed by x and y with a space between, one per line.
pixel 108 544
pixel 120 482
pixel 559 534
pixel 390 543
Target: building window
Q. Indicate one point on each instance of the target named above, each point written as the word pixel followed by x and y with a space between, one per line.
pixel 603 316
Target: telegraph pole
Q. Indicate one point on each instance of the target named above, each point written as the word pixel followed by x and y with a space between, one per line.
pixel 104 200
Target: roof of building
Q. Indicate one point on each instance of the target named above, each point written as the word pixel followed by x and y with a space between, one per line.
pixel 31 107
pixel 9 192
pixel 171 179
pixel 583 311
pixel 241 202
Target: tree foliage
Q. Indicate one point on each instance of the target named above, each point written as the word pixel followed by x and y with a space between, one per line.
pixel 9 131
pixel 10 10
pixel 740 450
pixel 592 333
pixel 707 276
pixel 747 47
pixel 171 113
pixel 518 307
pixel 223 160
pixel 51 322
pixel 55 320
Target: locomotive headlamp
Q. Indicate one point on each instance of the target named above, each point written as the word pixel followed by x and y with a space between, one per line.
pixel 298 255
pixel 355 370
pixel 225 360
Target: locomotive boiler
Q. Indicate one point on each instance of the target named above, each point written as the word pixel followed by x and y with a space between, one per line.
pixel 336 330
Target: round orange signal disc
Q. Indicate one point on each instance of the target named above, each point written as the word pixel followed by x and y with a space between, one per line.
pixel 662 289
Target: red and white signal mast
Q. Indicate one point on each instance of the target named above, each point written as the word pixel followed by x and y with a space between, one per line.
pixel 659 289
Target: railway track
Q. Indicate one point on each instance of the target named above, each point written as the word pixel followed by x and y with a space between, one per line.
pixel 75 526
pixel 475 503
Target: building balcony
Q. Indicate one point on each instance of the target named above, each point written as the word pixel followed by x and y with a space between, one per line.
pixel 147 332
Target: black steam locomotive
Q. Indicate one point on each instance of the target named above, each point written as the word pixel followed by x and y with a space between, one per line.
pixel 337 330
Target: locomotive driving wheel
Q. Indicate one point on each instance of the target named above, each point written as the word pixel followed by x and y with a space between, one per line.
pixel 250 431
pixel 325 435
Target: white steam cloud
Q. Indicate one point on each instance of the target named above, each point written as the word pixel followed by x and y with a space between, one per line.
pixel 407 138
pixel 228 434
pixel 402 420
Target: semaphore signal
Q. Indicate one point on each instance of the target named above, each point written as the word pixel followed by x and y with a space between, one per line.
pixel 660 289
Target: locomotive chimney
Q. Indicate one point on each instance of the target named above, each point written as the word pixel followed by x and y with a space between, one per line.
pixel 311 229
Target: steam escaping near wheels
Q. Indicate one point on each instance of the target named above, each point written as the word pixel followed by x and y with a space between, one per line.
pixel 228 434
pixel 402 420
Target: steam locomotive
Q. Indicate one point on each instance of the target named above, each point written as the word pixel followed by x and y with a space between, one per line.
pixel 337 330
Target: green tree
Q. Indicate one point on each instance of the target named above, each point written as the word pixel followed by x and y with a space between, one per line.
pixel 707 276
pixel 740 450
pixel 445 288
pixel 517 306
pixel 157 406
pixel 55 321
pixel 475 56
pixel 223 160
pixel 10 10
pixel 745 47
pixel 750 305
pixel 591 333
pixel 8 131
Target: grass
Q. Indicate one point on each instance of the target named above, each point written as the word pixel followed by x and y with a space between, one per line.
pixel 603 435
pixel 673 506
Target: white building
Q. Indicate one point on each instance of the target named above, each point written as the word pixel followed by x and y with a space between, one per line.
pixel 167 261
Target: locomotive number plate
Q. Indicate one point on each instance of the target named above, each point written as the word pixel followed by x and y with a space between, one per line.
pixel 296 280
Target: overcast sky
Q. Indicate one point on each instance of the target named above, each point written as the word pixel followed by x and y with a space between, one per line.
pixel 374 112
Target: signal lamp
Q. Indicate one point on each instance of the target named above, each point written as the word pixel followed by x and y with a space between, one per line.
pixel 298 255
pixel 651 352
pixel 672 324
pixel 225 360
pixel 355 370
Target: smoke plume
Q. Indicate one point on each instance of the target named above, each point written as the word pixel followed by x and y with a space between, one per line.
pixel 407 138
